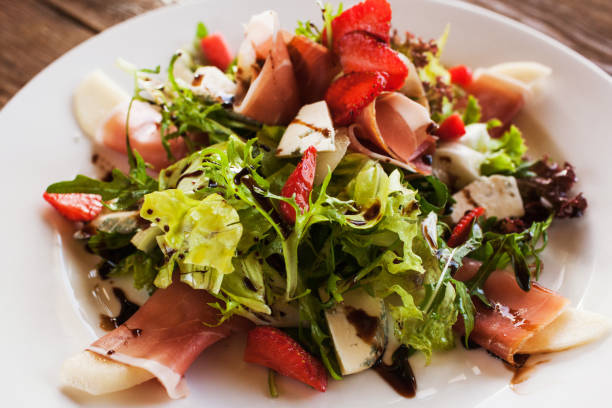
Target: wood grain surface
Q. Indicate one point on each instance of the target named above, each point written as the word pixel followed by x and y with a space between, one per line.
pixel 33 33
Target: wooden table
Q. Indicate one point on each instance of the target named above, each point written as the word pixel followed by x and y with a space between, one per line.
pixel 35 32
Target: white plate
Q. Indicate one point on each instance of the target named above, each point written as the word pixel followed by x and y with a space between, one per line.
pixel 42 321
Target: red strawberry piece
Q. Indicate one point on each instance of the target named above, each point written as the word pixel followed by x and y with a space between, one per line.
pixel 461 232
pixel 370 16
pixel 76 206
pixel 452 128
pixel 461 75
pixel 350 93
pixel 300 183
pixel 216 51
pixel 272 348
pixel 361 52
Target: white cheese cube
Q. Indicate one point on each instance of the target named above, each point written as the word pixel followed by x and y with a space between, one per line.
pixel 357 327
pixel 499 195
pixel 456 164
pixel 212 82
pixel 311 127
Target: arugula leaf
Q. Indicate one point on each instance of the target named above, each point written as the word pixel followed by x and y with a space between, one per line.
pixel 121 193
pixel 433 194
pixel 465 306
pixel 521 249
pixel 311 311
pixel 143 268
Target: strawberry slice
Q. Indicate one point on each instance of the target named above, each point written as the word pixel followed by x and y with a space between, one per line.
pixel 349 94
pixel 451 128
pixel 216 51
pixel 76 206
pixel 461 75
pixel 461 232
pixel 272 348
pixel 300 184
pixel 361 52
pixel 370 16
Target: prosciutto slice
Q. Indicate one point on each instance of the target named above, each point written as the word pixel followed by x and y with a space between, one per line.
pixel 500 97
pixel 273 97
pixel 144 131
pixel 516 315
pixel 167 334
pixel 398 127
pixel 314 67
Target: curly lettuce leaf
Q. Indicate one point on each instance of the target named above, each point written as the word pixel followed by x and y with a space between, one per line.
pixel 201 236
pixel 505 155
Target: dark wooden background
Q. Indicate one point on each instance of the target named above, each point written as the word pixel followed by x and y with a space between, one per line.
pixel 35 32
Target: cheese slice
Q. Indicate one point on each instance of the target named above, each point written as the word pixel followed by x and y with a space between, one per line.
pixel 327 161
pixel 499 195
pixel 357 353
pixel 210 81
pixel 457 164
pixel 311 127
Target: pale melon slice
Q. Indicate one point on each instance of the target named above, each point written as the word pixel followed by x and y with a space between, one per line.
pixel 96 374
pixel 573 328
pixel 93 99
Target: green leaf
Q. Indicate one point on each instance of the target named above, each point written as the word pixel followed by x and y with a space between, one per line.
pixel 433 194
pixel 505 154
pixel 202 234
pixel 201 30
pixel 124 191
pixel 142 267
pixel 472 111
pixel 465 307
pixel 308 30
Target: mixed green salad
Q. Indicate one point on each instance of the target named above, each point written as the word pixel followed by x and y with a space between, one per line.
pixel 217 220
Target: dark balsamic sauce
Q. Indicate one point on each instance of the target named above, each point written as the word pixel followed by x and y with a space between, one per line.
pixel 248 284
pixel 365 324
pixel 196 173
pixel 244 177
pixel 197 80
pixel 128 308
pixel 399 375
pixel 373 212
pixel 324 132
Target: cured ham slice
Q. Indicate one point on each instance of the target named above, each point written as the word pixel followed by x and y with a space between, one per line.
pixel 273 97
pixel 399 127
pixel 314 67
pixel 144 131
pixel 500 97
pixel 516 315
pixel 167 334
pixel 357 146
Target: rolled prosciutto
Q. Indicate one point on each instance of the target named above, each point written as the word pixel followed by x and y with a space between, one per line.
pixel 515 315
pixel 269 92
pixel 144 128
pixel 398 127
pixel 500 97
pixel 314 67
pixel 167 334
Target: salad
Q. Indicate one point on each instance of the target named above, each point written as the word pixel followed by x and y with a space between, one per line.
pixel 336 193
